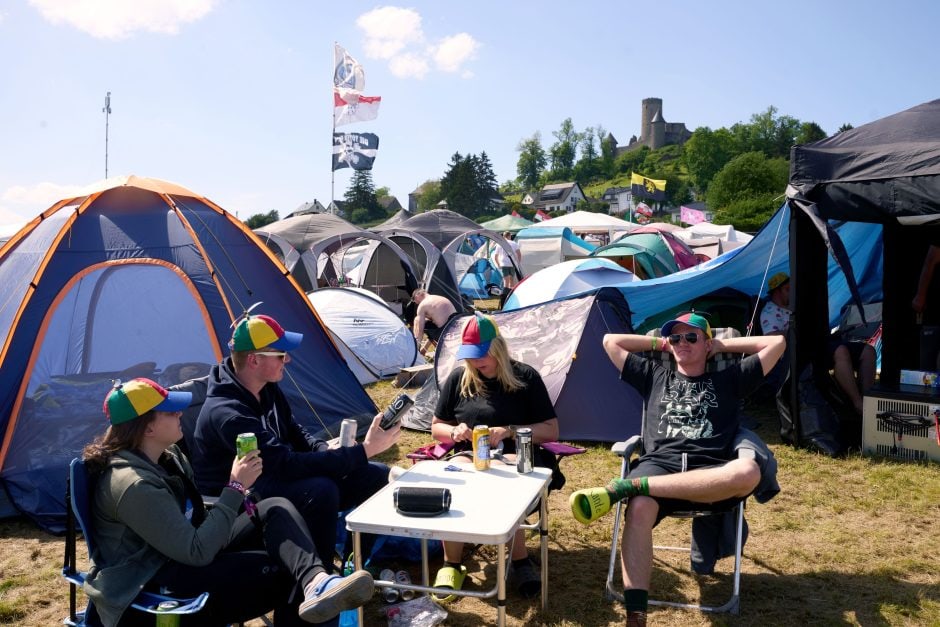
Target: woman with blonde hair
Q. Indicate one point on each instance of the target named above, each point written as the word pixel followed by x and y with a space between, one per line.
pixel 495 390
pixel 151 529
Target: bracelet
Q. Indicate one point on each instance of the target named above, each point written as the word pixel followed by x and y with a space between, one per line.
pixel 662 344
pixel 512 431
pixel 236 485
pixel 652 343
pixel 453 434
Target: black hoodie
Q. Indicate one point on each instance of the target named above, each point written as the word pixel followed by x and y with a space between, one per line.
pixel 289 452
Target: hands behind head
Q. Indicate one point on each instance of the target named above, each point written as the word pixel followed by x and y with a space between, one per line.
pixel 716 347
pixel 247 469
pixel 378 439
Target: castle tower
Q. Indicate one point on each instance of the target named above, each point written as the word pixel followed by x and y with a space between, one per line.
pixel 658 132
pixel 650 107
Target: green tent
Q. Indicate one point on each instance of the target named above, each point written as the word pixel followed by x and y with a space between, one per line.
pixel 508 222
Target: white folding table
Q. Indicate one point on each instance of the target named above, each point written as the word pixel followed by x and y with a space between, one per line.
pixel 487 507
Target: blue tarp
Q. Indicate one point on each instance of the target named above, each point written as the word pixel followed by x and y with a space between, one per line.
pixel 747 268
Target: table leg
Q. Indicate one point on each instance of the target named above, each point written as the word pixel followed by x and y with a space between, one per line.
pixel 357 560
pixel 425 569
pixel 543 541
pixel 501 550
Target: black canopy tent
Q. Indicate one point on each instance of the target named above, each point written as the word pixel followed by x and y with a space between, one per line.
pixel 885 172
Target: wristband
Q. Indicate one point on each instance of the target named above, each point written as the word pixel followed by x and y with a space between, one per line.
pixel 652 343
pixel 662 344
pixel 235 485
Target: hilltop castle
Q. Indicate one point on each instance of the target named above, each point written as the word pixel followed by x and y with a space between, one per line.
pixel 655 131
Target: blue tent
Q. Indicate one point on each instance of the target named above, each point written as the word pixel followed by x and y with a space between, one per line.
pixel 747 268
pixel 135 277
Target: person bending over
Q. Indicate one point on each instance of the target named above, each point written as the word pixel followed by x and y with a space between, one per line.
pixel 151 528
pixel 492 389
pixel 434 309
pixel 690 421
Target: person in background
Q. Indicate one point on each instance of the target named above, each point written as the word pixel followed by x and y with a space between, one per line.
pixel 505 260
pixel 492 389
pixel 243 396
pixel 845 358
pixel 152 530
pixel 434 309
pixel 931 261
pixel 690 422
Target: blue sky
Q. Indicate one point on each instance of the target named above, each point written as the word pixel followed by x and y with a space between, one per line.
pixel 232 98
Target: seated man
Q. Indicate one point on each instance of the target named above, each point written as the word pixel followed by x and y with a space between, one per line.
pixel 844 357
pixel 431 308
pixel 243 397
pixel 690 422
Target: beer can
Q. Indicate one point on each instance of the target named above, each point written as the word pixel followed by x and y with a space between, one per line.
pixel 524 453
pixel 395 411
pixel 347 432
pixel 481 447
pixel 389 594
pixel 164 619
pixel 245 443
pixel 402 576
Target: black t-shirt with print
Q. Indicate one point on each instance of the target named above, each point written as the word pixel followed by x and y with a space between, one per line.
pixel 498 408
pixel 696 416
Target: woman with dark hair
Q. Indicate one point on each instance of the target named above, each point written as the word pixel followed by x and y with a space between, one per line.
pixel 152 531
pixel 494 390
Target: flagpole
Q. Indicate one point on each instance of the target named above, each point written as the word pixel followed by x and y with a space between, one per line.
pixel 107 113
pixel 333 127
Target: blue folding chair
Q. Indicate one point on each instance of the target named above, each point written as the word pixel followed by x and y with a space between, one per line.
pixel 78 500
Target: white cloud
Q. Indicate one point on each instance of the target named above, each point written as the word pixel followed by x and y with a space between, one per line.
pixel 118 19
pixel 395 34
pixel 454 51
pixel 20 203
pixel 408 66
pixel 389 30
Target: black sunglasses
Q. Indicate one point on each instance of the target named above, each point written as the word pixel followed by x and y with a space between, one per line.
pixel 691 337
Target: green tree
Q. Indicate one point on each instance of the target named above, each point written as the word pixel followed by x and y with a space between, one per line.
pixel 562 153
pixel 587 166
pixel 747 176
pixel 768 133
pixel 631 161
pixel 810 132
pixel 430 195
pixel 532 161
pixel 748 214
pixel 469 185
pixel 845 127
pixel 261 219
pixel 705 153
pixel 361 195
pixel 594 206
pixel 485 177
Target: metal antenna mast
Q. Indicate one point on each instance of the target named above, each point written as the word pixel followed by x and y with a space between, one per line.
pixel 107 112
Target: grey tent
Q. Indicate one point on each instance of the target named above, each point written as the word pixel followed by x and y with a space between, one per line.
pixel 885 172
pixel 562 339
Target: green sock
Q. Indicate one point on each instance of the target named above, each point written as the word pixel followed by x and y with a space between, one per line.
pixel 620 489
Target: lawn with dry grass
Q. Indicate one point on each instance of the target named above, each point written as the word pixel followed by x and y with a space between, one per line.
pixel 853 541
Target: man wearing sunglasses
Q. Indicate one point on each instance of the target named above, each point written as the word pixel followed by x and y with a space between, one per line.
pixel 244 397
pixel 690 422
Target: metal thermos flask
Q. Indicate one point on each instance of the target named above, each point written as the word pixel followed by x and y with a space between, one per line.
pixel 524 453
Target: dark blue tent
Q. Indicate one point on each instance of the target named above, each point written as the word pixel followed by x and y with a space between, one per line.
pixel 135 277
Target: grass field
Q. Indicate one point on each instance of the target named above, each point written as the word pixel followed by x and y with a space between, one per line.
pixel 853 541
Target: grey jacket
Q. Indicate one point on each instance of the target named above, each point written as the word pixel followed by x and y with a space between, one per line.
pixel 139 524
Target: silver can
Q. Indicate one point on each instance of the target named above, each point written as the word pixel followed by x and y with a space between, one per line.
pixel 390 595
pixel 402 576
pixel 524 453
pixel 347 432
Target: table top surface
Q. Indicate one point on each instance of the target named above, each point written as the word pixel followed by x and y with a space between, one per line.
pixel 486 506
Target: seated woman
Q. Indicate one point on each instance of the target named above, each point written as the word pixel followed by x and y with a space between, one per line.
pixel 492 389
pixel 152 530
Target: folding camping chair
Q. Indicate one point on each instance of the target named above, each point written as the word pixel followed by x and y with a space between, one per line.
pixel 633 446
pixel 78 509
pixel 626 450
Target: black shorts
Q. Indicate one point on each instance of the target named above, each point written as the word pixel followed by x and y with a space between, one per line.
pixel 508 271
pixel 660 467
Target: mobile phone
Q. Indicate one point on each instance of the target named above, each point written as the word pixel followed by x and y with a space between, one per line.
pixel 395 411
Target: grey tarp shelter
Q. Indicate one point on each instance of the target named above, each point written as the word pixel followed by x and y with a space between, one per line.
pixel 885 172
